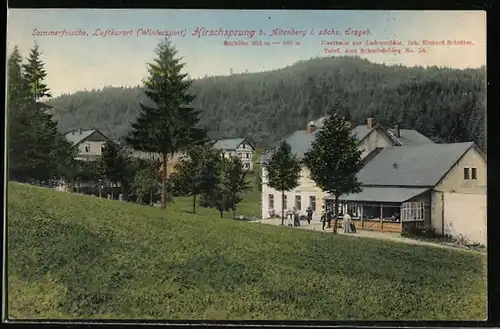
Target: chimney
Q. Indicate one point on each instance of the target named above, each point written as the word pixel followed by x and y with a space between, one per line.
pixel 369 123
pixel 311 127
pixel 80 130
pixel 397 131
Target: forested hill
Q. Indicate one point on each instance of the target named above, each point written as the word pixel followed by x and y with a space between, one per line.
pixel 447 105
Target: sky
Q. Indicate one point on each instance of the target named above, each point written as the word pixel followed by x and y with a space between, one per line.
pixel 91 61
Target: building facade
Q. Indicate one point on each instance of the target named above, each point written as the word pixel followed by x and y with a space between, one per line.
pixel 239 147
pixel 88 142
pixel 372 140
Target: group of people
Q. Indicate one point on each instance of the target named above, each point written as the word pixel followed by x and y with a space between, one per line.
pixel 293 219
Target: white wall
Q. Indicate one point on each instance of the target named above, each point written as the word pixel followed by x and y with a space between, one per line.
pixel 464 214
pixel 94 148
pixel 304 190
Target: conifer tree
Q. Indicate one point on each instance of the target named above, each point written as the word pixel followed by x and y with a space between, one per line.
pixel 335 158
pixel 167 124
pixel 19 119
pixel 49 147
pixel 35 74
pixel 283 172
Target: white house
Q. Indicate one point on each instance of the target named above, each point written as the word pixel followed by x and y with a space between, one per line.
pixel 239 147
pixel 442 186
pixel 89 142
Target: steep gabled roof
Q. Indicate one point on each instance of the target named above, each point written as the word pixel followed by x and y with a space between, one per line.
pixel 230 144
pixel 361 131
pixel 407 136
pixel 419 165
pixel 79 135
pixel 410 137
pixel 300 142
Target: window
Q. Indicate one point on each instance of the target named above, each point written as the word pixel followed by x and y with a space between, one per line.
pixel 298 202
pixel 102 148
pixel 473 173
pixel 412 211
pixel 243 146
pixel 466 173
pixel 247 165
pixel 271 201
pixel 87 148
pixel 312 202
pixel 248 155
pixel 284 202
pixel 352 209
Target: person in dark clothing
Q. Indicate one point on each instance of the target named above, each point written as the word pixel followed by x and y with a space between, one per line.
pixel 309 213
pixel 329 217
pixel 323 218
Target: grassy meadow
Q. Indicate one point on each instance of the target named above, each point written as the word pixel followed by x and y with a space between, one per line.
pixel 74 256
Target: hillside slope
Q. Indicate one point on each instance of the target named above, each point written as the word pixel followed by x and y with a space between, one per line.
pixel 74 256
pixel 445 104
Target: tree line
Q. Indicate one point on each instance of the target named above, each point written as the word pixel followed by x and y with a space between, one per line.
pixel 166 125
pixel 447 105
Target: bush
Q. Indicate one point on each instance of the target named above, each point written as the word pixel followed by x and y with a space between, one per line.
pixel 423 231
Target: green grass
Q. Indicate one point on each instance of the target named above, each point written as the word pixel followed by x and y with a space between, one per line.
pixel 73 256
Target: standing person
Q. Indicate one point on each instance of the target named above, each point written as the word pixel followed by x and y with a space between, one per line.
pixel 347 222
pixel 289 218
pixel 329 216
pixel 323 218
pixel 296 221
pixel 309 213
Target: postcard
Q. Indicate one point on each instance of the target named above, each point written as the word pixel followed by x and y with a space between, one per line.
pixel 245 165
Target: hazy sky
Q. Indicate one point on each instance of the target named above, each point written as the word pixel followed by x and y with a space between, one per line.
pixel 86 62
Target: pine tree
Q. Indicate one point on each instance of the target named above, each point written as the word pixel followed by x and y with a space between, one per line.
pixel 234 181
pixel 35 74
pixel 168 125
pixel 283 172
pixel 20 119
pixel 49 153
pixel 335 158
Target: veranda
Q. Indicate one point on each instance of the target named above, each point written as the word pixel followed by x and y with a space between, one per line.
pixel 384 216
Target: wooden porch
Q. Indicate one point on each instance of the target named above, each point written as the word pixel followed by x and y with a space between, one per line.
pixel 384 217
pixel 384 226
